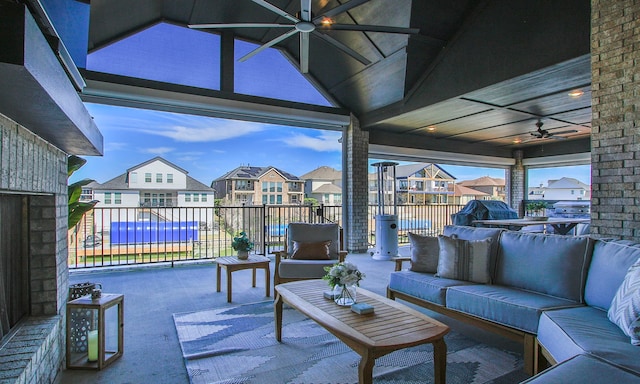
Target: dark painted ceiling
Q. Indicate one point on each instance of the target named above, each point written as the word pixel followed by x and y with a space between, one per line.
pixel 475 80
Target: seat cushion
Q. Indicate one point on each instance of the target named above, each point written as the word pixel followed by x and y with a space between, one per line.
pixel 313 233
pixel 609 265
pixel 549 264
pixel 424 286
pixel 512 307
pixel 584 369
pixel 565 333
pixel 303 269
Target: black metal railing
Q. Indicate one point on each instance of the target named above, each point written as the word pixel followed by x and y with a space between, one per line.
pixel 126 236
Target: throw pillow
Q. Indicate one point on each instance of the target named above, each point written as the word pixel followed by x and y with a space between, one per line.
pixel 625 306
pixel 466 260
pixel 311 251
pixel 424 253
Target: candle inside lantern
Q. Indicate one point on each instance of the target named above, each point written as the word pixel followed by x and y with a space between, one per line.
pixel 93 345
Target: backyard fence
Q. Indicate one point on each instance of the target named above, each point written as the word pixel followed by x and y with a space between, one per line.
pixel 127 236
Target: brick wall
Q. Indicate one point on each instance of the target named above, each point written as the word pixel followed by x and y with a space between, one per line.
pixel 357 199
pixel 515 182
pixel 615 135
pixel 31 166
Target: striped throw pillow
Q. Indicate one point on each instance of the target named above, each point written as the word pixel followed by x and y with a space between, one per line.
pixel 625 306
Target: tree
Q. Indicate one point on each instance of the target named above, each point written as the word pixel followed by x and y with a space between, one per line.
pixel 77 208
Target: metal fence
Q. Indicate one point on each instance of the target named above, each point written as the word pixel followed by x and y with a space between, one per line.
pixel 127 236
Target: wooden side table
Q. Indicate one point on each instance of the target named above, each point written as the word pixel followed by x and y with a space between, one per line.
pixel 232 264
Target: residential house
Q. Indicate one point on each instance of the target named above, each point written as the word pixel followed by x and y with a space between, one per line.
pixel 462 195
pixel 423 184
pixel 259 185
pixel 159 190
pixel 565 188
pixel 493 186
pixel 323 184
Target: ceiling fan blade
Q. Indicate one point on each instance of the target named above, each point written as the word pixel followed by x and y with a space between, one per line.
pixel 563 132
pixel 269 44
pixel 239 25
pixel 304 52
pixel 370 28
pixel 276 10
pixel 554 137
pixel 305 10
pixel 340 9
pixel 342 47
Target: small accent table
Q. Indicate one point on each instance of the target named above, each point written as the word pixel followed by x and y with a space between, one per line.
pixel 232 264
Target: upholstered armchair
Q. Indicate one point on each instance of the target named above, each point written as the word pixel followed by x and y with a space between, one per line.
pixel 307 250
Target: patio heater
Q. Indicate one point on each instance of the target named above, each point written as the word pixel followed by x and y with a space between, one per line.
pixel 386 224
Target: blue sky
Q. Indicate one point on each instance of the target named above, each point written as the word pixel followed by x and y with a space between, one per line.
pixel 207 147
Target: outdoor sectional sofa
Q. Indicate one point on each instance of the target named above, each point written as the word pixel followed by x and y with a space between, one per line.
pixel 550 292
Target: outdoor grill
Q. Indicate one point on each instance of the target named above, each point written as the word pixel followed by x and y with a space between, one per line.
pixel 483 210
pixel 572 209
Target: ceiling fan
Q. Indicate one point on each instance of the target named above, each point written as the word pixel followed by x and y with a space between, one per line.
pixel 306 24
pixel 544 134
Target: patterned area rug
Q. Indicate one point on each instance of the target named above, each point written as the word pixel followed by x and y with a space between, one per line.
pixel 237 345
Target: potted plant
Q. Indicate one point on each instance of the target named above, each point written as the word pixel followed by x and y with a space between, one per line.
pixel 536 210
pixel 343 279
pixel 242 245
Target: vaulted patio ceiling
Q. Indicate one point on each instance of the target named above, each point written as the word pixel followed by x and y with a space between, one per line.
pixel 474 81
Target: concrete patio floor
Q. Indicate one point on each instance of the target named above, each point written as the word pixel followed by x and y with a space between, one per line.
pixel 152 294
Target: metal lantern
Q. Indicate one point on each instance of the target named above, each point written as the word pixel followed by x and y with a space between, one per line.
pixel 95 329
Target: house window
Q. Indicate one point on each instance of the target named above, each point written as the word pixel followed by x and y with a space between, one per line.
pixel 154 199
pixel 170 178
pixel 147 198
pixel 147 177
pixel 196 198
pixel 158 177
pixel 107 197
pixel 117 198
pixel 187 197
pixel 204 197
pixel 133 178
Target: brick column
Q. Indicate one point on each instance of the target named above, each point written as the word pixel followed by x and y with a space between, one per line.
pixel 615 135
pixel 516 184
pixel 356 147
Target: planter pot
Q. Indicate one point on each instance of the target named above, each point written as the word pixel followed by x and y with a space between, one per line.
pixel 243 255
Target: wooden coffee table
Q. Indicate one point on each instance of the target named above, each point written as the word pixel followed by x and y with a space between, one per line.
pixel 232 264
pixel 392 326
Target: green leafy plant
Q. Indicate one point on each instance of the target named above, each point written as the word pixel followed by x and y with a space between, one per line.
pixel 77 208
pixel 536 206
pixel 242 242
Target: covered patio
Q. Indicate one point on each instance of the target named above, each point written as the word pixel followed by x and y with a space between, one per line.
pixel 154 294
pixel 468 89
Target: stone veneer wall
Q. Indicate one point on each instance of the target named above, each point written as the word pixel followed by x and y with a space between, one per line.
pixel 31 166
pixel 357 187
pixel 615 132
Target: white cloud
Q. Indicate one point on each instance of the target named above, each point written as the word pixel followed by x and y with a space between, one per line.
pixel 157 150
pixel 326 142
pixel 206 130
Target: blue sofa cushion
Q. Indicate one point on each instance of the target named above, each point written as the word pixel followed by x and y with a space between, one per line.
pixel 551 264
pixel 512 307
pixel 422 285
pixel 609 265
pixel 625 307
pixel 565 333
pixel 584 369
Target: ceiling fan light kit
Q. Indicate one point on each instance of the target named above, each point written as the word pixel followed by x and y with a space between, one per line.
pixel 305 25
